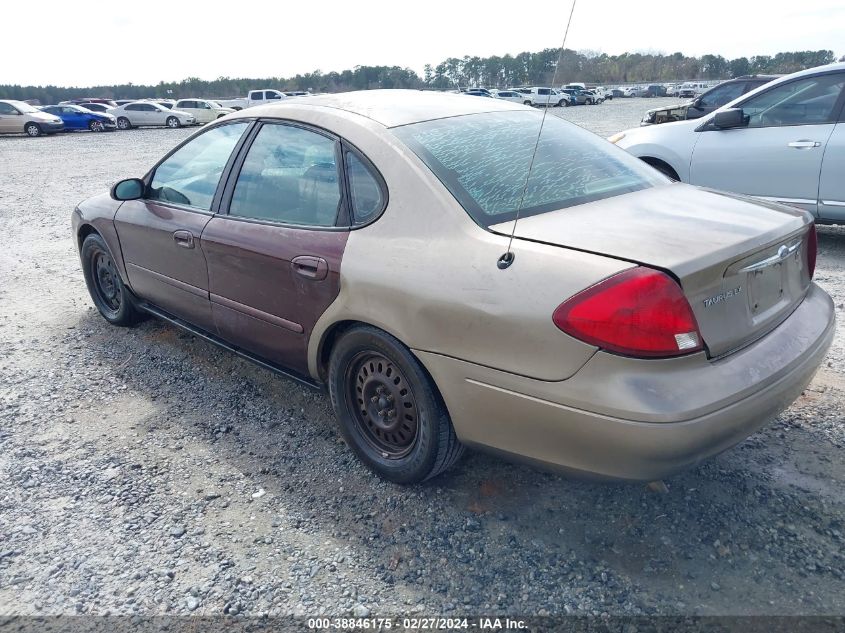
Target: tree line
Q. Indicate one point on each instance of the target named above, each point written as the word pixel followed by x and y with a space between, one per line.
pixel 540 68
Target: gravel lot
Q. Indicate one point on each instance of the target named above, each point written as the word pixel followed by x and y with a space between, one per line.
pixel 147 472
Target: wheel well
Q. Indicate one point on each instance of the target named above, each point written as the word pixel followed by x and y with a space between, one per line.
pixel 661 166
pixel 330 336
pixel 84 231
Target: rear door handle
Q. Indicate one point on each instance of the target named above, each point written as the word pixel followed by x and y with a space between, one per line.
pixel 185 239
pixel 310 267
pixel 804 144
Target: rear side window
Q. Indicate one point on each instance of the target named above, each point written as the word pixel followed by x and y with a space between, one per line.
pixel 190 176
pixel 364 190
pixel 484 159
pixel 290 175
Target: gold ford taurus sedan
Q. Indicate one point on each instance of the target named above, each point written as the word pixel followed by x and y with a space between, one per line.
pixel 356 241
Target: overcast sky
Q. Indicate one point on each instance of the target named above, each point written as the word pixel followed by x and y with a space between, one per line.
pixel 153 40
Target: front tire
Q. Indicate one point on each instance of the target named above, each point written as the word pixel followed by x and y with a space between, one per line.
pixel 96 126
pixel 173 122
pixel 32 129
pixel 123 123
pixel 389 409
pixel 105 286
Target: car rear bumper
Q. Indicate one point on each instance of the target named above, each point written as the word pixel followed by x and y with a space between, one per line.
pixel 634 419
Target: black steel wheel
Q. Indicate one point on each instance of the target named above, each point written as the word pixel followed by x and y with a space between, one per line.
pixel 383 403
pixel 110 295
pixel 389 409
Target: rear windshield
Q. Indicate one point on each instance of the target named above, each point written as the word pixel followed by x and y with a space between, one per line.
pixel 483 159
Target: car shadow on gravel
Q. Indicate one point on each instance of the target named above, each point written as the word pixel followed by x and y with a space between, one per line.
pixel 727 537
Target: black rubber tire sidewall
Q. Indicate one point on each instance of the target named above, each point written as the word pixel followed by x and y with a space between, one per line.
pixel 127 314
pixel 419 463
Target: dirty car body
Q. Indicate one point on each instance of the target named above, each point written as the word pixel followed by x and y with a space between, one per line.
pixel 352 241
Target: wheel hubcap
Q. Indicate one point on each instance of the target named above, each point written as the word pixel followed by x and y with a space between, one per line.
pixel 383 404
pixel 105 277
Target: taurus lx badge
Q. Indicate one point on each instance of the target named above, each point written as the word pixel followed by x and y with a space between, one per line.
pixel 724 296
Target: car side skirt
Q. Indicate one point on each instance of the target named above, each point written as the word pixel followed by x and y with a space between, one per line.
pixel 211 338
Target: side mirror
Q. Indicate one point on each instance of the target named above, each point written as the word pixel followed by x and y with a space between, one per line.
pixel 695 102
pixel 727 119
pixel 129 189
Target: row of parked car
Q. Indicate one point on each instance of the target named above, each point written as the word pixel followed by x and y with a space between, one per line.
pixel 100 115
pixel 569 95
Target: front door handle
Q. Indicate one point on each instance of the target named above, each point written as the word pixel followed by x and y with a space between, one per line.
pixel 310 267
pixel 804 144
pixel 185 239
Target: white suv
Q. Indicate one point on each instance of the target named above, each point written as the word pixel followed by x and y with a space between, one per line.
pixel 784 141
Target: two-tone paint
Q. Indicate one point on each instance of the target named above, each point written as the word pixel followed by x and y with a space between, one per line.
pixel 426 273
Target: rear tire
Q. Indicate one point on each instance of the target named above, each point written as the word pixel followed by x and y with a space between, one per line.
pixel 110 296
pixel 388 408
pixel 173 122
pixel 32 129
pixel 124 124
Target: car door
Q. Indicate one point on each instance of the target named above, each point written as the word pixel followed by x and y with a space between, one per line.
pixel 135 113
pixel 274 258
pixel 73 118
pixel 778 153
pixel 188 106
pixel 160 234
pixel 832 180
pixel 10 119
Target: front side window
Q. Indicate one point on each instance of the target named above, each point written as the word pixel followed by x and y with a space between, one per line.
pixel 290 175
pixel 190 176
pixel 721 95
pixel 366 194
pixel 484 159
pixel 807 101
pixel 134 107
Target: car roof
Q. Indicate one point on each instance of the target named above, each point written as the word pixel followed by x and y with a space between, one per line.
pixel 393 108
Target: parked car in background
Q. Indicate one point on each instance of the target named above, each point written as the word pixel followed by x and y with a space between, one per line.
pixel 76 117
pixel 147 113
pixel 476 92
pixel 298 93
pixel 655 90
pixel 17 117
pixel 544 96
pixel 87 100
pixel 122 102
pixel 618 93
pixel 509 95
pixel 254 98
pixel 575 96
pixel 691 89
pixel 618 352
pixel 593 98
pixel 95 107
pixel 203 110
pixel 784 141
pixel 707 102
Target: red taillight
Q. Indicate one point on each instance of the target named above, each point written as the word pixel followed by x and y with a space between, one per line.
pixel 639 312
pixel 812 249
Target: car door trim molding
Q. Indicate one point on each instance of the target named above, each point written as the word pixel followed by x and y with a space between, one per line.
pixel 255 313
pixel 833 203
pixel 787 200
pixel 176 283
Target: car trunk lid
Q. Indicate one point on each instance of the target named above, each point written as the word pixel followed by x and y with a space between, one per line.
pixel 741 262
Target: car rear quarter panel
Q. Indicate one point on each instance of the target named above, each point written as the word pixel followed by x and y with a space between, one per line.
pixel 426 273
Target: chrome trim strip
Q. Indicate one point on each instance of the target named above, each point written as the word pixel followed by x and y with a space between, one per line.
pixel 833 203
pixel 783 252
pixel 788 200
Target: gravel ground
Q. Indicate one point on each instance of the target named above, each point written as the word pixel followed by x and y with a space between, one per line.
pixel 147 472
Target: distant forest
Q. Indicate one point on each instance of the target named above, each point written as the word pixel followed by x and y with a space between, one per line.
pixel 523 69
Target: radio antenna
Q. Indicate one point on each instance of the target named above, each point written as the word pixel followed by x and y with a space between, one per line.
pixel 507 259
